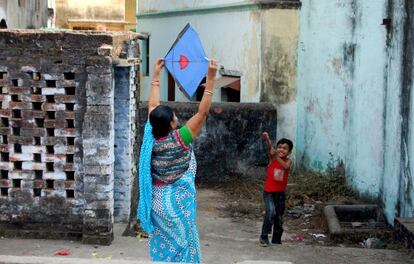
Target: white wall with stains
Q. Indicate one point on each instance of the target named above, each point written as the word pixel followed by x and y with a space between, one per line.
pixel 261 43
pixel 3 9
pixel 24 14
pixel 90 9
pixel 280 33
pixel 355 99
pixel 232 38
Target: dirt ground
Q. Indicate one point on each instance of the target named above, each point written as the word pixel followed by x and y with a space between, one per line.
pixel 229 221
pixel 304 221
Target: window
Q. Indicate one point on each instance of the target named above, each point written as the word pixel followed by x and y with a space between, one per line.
pixel 230 85
pixel 171 88
pixel 3 25
pixel 200 90
pixel 145 57
pixel 230 95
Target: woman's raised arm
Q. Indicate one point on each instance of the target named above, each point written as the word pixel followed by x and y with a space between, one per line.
pixel 195 123
pixel 154 97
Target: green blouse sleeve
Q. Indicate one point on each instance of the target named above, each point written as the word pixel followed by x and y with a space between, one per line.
pixel 185 135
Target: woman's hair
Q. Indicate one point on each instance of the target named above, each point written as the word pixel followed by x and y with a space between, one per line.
pixel 160 119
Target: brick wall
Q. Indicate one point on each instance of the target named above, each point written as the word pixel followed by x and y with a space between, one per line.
pixel 125 88
pixel 57 131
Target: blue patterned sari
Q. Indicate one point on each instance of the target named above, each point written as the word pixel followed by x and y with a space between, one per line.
pixel 168 212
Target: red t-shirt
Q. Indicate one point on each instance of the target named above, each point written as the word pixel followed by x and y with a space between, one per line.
pixel 276 177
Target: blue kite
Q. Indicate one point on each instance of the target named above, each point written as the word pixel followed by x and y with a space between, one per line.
pixel 186 61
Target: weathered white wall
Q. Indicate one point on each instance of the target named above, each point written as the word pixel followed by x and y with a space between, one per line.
pixel 232 38
pixel 259 42
pixel 280 33
pixel 31 14
pixel 398 185
pixel 354 97
pixel 3 9
pixel 90 9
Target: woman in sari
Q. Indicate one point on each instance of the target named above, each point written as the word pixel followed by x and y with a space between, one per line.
pixel 167 168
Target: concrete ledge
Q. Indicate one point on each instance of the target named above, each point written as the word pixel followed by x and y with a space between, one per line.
pixel 404 231
pixel 43 233
pixel 332 219
pixel 99 239
pixel 355 221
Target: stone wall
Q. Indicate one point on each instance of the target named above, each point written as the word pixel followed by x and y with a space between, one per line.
pixel 58 132
pixel 230 143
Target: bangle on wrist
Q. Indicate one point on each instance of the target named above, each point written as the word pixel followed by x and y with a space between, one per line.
pixel 208 92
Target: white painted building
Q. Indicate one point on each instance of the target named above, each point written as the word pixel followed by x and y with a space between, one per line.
pixel 256 39
pixel 24 14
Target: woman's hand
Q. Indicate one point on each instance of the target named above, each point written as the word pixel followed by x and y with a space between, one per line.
pixel 159 64
pixel 265 136
pixel 196 122
pixel 154 97
pixel 212 70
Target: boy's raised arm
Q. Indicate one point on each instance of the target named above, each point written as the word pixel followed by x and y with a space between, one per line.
pixel 266 138
pixel 271 151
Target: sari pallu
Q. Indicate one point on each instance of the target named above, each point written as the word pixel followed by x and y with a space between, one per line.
pixel 169 214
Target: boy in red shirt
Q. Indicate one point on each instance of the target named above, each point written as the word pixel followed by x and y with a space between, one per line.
pixel 274 189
